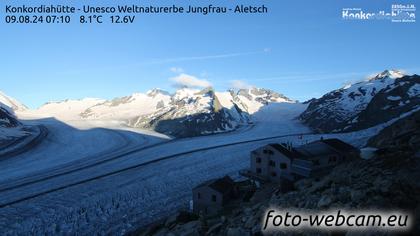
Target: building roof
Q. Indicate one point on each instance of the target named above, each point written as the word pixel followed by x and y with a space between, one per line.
pixel 321 148
pixel 221 185
pixel 314 150
pixel 291 153
pixel 339 145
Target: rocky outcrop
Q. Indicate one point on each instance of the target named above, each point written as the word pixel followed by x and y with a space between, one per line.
pixel 7 119
pixel 8 106
pixel 403 133
pixel 263 95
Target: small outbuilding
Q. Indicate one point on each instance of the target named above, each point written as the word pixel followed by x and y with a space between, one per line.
pixel 211 196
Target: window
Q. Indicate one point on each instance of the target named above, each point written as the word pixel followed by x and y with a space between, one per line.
pixel 283 166
pixel 272 163
pixel 198 195
pixel 213 198
pixel 258 159
pixel 258 170
pixel 265 151
pixel 274 174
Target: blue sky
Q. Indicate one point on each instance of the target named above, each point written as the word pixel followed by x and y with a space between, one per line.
pixel 300 48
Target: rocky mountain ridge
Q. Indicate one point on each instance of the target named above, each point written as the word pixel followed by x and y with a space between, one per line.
pixel 188 112
pixel 7 119
pixel 199 112
pixel 8 106
pixel 364 104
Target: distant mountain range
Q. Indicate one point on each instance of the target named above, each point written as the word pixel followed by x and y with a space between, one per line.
pixel 192 112
pixel 187 112
pixel 128 107
pixel 199 112
pixel 373 101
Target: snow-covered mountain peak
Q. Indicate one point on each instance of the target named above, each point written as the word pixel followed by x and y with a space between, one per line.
pixel 193 100
pixel 82 100
pixel 68 109
pixel 379 80
pixel 369 102
pixel 122 108
pixel 185 93
pixel 156 92
pixel 253 99
pixel 194 112
pixel 209 91
pixel 391 74
pixel 263 95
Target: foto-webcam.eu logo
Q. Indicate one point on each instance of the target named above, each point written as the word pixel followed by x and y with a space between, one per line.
pixel 399 13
